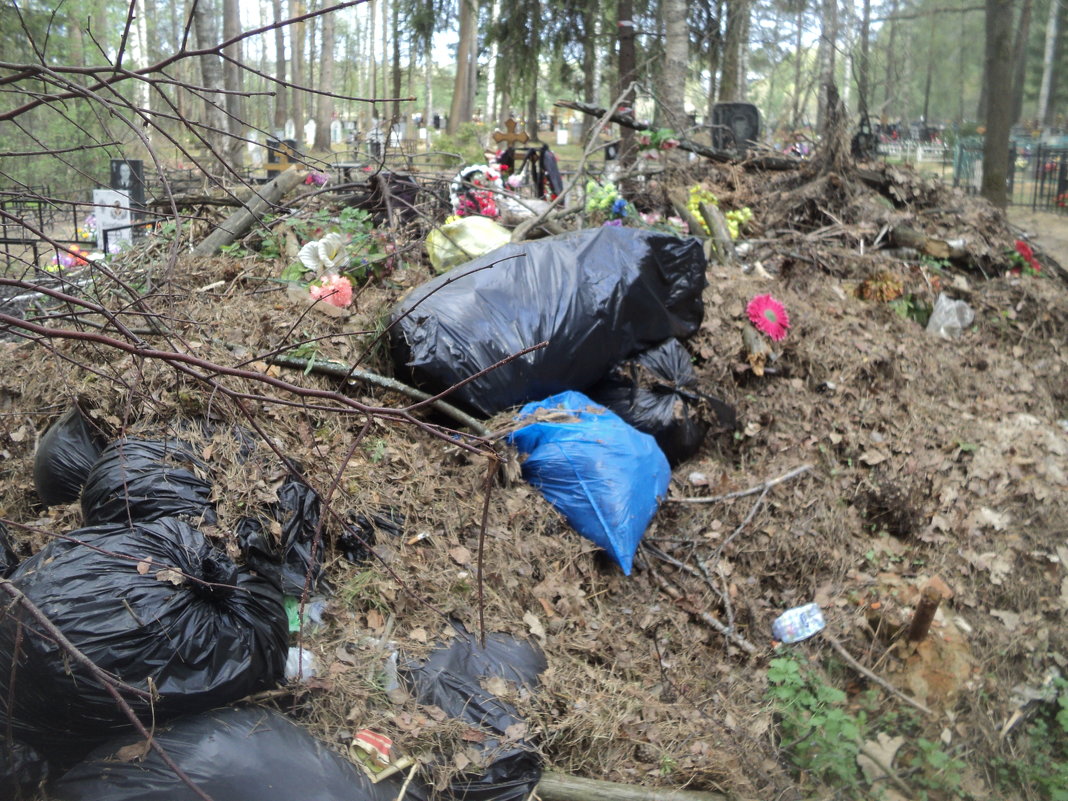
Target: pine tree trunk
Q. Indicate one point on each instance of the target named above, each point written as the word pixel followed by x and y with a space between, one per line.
pixel 280 110
pixel 676 65
pixel 730 86
pixel 211 73
pixel 296 65
pixel 999 41
pixel 1049 63
pixel 324 104
pixel 627 73
pixel 462 85
pixel 232 79
pixel 828 43
pixel 1019 59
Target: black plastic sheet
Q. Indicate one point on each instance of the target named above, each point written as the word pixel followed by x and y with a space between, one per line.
pixel 22 769
pixel 291 554
pixel 139 480
pixel 66 452
pixel 451 679
pixel 154 604
pixel 595 296
pixel 361 533
pixel 9 560
pixel 236 754
pixel 656 392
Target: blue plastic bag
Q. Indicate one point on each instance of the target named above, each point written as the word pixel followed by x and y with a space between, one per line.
pixel 600 473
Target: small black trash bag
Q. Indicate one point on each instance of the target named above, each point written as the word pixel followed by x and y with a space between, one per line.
pixel 154 604
pixel 596 296
pixel 9 560
pixel 22 769
pixel 656 392
pixel 235 754
pixel 286 555
pixel 140 480
pixel 452 679
pixel 66 452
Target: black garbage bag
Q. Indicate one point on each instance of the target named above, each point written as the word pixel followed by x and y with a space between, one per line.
pixel 66 452
pixel 361 533
pixel 235 754
pixel 656 392
pixel 596 296
pixel 9 560
pixel 154 604
pixel 452 679
pixel 288 553
pixel 22 770
pixel 139 480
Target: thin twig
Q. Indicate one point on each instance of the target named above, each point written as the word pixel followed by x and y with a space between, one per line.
pixel 751 491
pixel 853 663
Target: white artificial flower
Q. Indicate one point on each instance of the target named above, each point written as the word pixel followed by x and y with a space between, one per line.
pixel 324 255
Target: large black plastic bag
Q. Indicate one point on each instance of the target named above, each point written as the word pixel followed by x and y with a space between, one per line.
pixel 22 769
pixel 452 677
pixel 235 754
pixel 66 452
pixel 203 631
pixel 596 296
pixel 9 560
pixel 289 553
pixel 141 480
pixel 656 392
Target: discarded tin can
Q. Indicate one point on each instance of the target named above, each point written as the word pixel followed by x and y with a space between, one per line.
pixel 798 623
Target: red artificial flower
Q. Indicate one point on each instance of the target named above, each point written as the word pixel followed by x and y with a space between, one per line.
pixel 769 316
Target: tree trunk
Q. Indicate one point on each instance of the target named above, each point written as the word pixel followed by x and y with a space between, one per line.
pixel 676 65
pixel 280 110
pixel 396 111
pixel 864 67
pixel 889 95
pixel 715 55
pixel 828 43
pixel 1049 63
pixel 428 88
pixel 1019 59
pixel 491 69
pixel 730 84
pixel 211 73
pixel 799 30
pixel 296 69
pixel 627 74
pixel 999 19
pixel 590 12
pixel 460 109
pixel 232 79
pixel 324 105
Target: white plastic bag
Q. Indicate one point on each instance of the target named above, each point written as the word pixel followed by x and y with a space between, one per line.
pixel 950 317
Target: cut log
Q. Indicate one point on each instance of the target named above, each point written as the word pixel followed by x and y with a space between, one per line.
pixel 678 202
pixel 561 787
pixel 721 233
pixel 906 237
pixel 238 223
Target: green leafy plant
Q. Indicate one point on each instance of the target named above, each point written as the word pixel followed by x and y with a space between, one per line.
pixel 821 736
pixel 1040 762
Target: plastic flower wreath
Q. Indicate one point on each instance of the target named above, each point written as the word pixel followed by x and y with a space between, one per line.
pixel 333 289
pixel 768 316
pixel 324 255
pixel 1024 260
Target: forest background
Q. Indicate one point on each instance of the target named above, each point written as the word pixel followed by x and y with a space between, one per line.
pixel 918 62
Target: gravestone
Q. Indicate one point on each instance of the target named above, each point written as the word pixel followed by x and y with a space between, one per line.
pixel 128 176
pixel 735 126
pixel 112 210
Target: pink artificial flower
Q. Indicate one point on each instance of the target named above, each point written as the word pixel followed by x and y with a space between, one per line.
pixel 645 140
pixel 669 144
pixel 334 289
pixel 769 316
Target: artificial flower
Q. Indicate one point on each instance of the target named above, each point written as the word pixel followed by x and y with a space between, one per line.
pixel 669 144
pixel 612 223
pixel 334 289
pixel 619 207
pixel 316 179
pixel 769 316
pixel 1024 250
pixel 324 255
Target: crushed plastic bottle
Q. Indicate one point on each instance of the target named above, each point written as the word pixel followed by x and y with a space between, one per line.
pixel 798 623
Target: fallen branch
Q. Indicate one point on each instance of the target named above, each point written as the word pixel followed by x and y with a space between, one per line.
pixel 561 787
pixel 706 618
pixel 853 663
pixel 238 223
pixel 354 374
pixel 797 471
pixel 722 156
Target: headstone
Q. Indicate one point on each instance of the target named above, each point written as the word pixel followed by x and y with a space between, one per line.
pixel 561 136
pixel 290 130
pixel 309 132
pixel 128 175
pixel 735 126
pixel 112 210
pixel 336 131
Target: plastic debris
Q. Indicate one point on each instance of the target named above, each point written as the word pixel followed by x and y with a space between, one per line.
pixel 656 392
pixel 236 754
pixel 798 623
pixel 603 475
pixel 64 456
pixel 462 240
pixel 140 480
pixel 300 664
pixel 154 604
pixel 595 296
pixel 950 317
